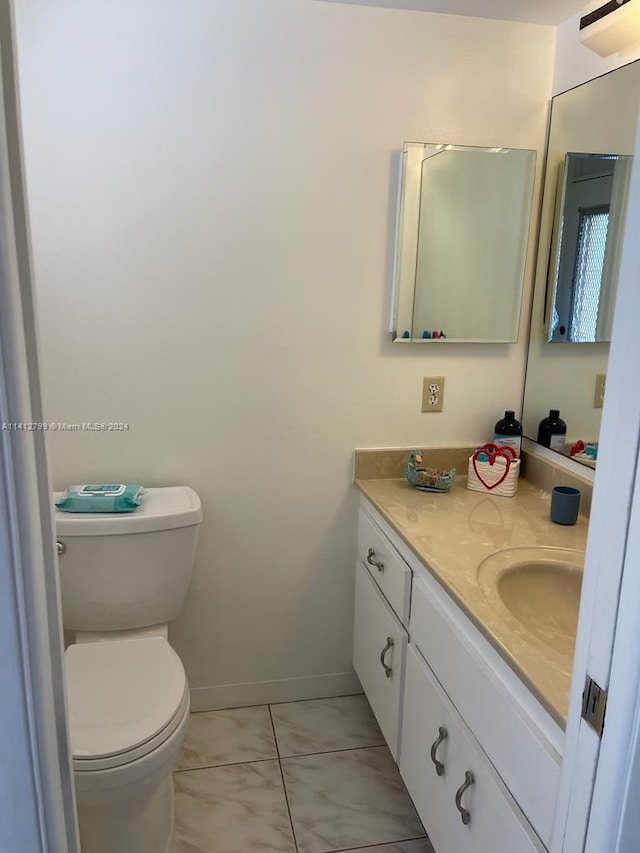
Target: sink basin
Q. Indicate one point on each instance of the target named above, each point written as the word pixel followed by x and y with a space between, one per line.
pixel 538 587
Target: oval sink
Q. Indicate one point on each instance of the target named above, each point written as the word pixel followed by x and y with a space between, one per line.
pixel 540 588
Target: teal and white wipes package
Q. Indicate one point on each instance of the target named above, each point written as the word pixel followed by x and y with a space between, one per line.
pixel 101 497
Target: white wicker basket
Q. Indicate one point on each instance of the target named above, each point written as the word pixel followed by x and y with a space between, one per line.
pixel 498 476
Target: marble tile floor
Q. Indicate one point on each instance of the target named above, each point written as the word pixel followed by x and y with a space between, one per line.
pixel 301 777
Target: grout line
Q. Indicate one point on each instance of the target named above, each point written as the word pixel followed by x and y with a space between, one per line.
pixel 284 786
pixel 226 764
pixel 267 704
pixel 317 698
pixel 275 736
pixel 333 751
pixel 278 757
pixel 277 748
pixel 229 708
pixel 381 844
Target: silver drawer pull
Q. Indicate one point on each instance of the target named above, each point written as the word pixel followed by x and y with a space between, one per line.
pixel 465 815
pixel 379 566
pixel 442 736
pixel 60 548
pixel 387 669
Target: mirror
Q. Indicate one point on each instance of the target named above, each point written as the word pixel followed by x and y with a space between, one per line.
pixel 592 135
pixel 461 243
pixel 585 258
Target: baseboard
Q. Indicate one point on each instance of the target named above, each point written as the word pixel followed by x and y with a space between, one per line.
pixel 271 692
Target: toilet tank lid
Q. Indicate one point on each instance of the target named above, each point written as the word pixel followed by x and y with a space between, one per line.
pixel 162 508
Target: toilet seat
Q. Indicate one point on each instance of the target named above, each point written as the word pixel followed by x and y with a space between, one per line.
pixel 125 698
pixel 130 756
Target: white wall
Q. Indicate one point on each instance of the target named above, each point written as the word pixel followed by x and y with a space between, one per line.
pixel 212 195
pixel 575 64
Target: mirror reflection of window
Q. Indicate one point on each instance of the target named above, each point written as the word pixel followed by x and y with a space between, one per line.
pixel 587 283
pixel 589 223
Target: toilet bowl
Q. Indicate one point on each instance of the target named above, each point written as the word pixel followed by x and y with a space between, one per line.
pixel 123 579
pixel 128 703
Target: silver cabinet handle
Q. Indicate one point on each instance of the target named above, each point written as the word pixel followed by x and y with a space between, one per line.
pixel 465 815
pixel 387 669
pixel 379 566
pixel 60 548
pixel 442 735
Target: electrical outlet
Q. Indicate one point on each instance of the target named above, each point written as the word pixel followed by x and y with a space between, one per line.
pixel 598 395
pixel 432 393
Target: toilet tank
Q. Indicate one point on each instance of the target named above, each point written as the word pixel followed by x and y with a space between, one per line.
pixel 126 571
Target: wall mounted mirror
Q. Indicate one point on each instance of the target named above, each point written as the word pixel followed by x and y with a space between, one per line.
pixel 461 243
pixel 591 139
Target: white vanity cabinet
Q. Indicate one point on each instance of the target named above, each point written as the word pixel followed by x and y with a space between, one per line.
pixel 479 755
pixel 383 586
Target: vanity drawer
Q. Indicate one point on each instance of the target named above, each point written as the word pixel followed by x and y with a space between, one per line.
pixel 527 762
pixel 385 565
pixel 495 823
pixel 379 650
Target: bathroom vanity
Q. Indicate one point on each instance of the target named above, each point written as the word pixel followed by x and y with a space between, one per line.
pixel 470 693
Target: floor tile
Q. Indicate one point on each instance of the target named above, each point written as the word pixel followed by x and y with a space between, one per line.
pixel 239 808
pixel 421 845
pixel 348 799
pixel 322 725
pixel 227 737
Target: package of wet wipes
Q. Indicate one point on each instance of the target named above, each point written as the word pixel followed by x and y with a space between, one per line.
pixel 101 497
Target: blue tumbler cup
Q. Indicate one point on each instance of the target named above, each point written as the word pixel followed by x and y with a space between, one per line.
pixel 565 504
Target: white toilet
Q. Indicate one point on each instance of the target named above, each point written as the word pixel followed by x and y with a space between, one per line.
pixel 123 579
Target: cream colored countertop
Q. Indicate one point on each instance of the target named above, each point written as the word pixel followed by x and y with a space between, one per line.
pixel 452 533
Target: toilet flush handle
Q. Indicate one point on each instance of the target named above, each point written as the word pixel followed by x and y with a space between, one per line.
pixel 60 548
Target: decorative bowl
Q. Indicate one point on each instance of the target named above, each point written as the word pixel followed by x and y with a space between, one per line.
pixel 427 479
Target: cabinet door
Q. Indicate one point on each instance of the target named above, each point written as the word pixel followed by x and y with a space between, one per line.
pixel 423 716
pixel 379 648
pixel 498 723
pixel 496 824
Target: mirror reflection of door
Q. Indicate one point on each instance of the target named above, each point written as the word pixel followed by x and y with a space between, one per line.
pixel 589 227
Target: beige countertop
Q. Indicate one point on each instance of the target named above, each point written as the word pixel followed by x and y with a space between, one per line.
pixel 452 533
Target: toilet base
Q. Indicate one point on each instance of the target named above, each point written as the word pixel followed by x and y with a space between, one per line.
pixel 131 809
pixel 140 824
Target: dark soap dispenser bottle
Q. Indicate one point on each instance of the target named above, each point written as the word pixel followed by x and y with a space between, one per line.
pixel 552 431
pixel 508 431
